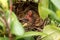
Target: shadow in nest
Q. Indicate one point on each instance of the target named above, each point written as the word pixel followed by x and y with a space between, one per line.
pixel 27 13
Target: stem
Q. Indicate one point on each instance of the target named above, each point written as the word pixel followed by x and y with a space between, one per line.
pixel 7 23
pixel 3 19
pixel 10 35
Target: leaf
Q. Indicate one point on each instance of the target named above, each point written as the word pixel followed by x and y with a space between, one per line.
pixel 58 14
pixel 2 27
pixel 3 38
pixel 47 29
pixel 48 38
pixel 26 38
pixel 54 17
pixel 56 3
pixel 52 31
pixel 56 35
pixel 1 24
pixel 29 38
pixel 7 14
pixel 16 27
pixel 44 3
pixel 32 33
pixel 52 6
pixel 44 12
pixel 36 1
pixel 53 36
pixel 42 8
pixel 4 4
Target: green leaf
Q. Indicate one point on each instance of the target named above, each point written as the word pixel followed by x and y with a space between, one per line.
pixel 56 36
pixel 48 38
pixel 56 3
pixel 44 3
pixel 3 38
pixel 4 4
pixel 1 24
pixel 7 14
pixel 26 38
pixel 52 31
pixel 32 33
pixel 29 38
pixel 47 29
pixel 58 14
pixel 44 12
pixel 52 6
pixel 16 26
pixel 36 1
pixel 54 17
pixel 53 36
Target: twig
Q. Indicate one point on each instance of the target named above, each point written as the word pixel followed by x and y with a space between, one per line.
pixel 1 19
pixel 10 35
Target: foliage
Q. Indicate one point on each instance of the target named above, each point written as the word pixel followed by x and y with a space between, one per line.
pixel 45 9
pixel 52 30
pixel 14 27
